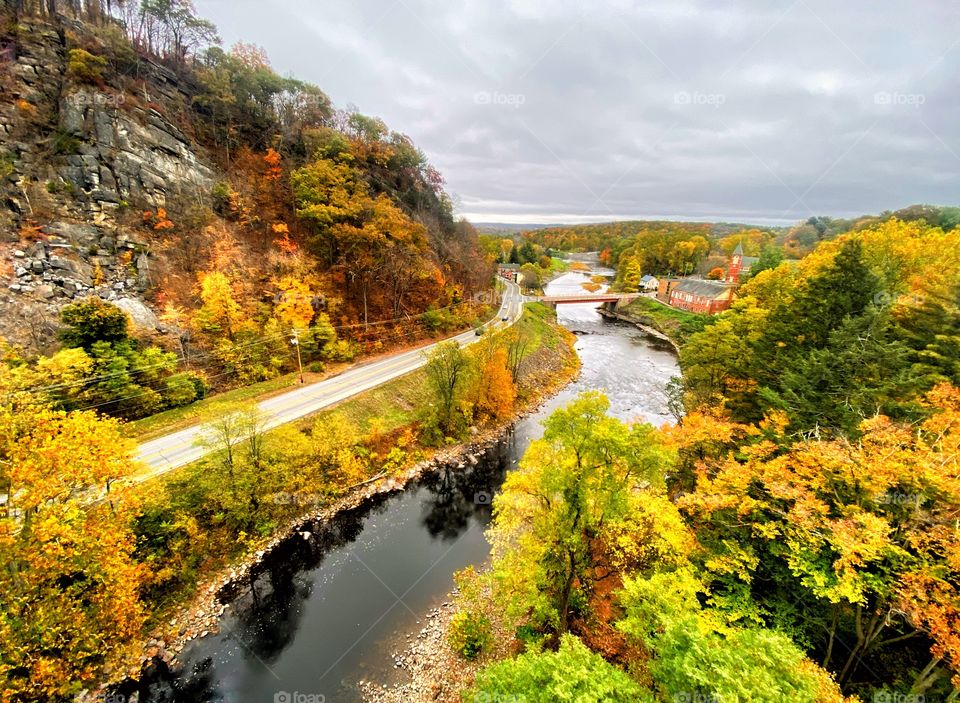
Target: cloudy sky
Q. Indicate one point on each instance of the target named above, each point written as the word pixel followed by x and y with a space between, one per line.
pixel 764 111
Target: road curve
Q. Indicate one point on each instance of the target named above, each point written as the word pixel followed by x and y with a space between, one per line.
pixel 181 448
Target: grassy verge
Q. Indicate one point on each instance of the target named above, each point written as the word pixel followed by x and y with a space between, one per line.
pixel 679 325
pixel 392 406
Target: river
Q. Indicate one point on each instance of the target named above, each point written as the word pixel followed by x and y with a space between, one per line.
pixel 324 613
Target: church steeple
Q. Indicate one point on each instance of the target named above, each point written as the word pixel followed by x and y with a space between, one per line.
pixel 736 265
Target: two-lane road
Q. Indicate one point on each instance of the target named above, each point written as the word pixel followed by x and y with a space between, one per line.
pixel 180 448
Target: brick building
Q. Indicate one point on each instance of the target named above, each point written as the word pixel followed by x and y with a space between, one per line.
pixel 705 297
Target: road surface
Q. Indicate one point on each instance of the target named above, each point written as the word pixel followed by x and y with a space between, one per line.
pixel 180 448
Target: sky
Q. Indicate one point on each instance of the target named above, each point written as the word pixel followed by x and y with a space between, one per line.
pixel 557 111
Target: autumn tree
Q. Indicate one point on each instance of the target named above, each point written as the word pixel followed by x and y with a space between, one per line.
pixel 572 673
pixel 69 581
pixel 294 308
pixel 496 392
pixel 221 313
pixel 571 484
pixel 447 370
pixel 93 320
pixel 517 342
pixel 851 534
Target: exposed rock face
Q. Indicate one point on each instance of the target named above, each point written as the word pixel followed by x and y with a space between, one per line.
pixel 76 163
pixel 108 150
pixel 127 155
pixel 58 267
pixel 142 316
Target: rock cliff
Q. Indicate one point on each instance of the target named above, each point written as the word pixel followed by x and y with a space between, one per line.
pixel 79 164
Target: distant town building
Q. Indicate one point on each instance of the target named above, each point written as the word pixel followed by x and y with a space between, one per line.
pixel 738 264
pixel 509 271
pixel 705 297
pixel 649 283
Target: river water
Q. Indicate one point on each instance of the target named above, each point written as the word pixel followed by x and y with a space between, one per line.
pixel 324 613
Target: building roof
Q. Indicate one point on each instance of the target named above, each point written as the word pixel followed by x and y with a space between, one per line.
pixel 709 289
pixel 647 278
pixel 748 261
pixel 738 250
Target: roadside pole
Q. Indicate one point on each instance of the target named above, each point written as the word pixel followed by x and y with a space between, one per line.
pixel 296 342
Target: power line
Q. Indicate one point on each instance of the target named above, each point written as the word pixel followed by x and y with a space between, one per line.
pixel 209 355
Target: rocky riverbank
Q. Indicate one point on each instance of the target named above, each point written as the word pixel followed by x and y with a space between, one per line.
pixel 431 669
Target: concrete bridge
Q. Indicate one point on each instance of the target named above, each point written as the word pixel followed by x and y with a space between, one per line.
pixel 618 298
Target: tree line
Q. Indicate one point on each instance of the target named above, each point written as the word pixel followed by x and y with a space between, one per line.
pixel 792 537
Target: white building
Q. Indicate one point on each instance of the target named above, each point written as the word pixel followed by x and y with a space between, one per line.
pixel 649 283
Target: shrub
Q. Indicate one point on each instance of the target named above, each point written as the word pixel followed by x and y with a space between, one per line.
pixel 200 385
pixel 470 634
pixel 84 66
pixel 573 673
pixel 180 390
pixel 341 350
pixel 64 143
pixel 220 194
pixel 93 320
pixel 6 164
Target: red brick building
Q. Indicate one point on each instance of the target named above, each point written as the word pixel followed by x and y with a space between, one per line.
pixel 705 297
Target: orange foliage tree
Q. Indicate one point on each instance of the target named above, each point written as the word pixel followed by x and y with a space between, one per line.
pixel 496 392
pixel 863 534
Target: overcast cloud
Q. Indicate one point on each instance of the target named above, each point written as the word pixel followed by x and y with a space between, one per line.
pixel 565 111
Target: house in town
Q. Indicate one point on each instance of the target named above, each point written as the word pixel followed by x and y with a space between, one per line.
pixel 701 296
pixel 739 264
pixel 649 283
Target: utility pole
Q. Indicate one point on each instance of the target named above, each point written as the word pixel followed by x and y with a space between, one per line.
pixel 296 342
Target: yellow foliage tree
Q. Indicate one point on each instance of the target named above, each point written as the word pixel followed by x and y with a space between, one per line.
pixel 69 581
pixel 294 307
pixel 220 312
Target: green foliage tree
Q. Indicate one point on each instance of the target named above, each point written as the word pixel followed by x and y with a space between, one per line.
pixel 770 257
pixel 447 370
pixel 572 674
pixel 93 320
pixel 571 484
pixel 698 656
